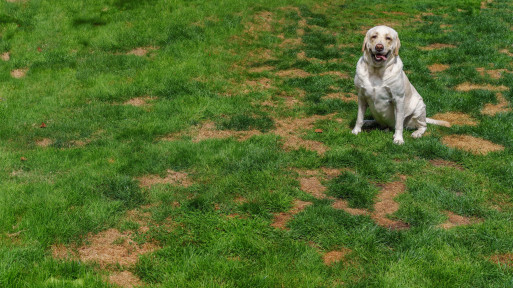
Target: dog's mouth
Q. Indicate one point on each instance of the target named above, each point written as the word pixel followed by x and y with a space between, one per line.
pixel 380 56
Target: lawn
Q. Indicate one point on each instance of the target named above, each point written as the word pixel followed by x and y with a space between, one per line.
pixel 173 143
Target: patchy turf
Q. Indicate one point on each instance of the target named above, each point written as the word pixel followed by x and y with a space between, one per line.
pixel 208 144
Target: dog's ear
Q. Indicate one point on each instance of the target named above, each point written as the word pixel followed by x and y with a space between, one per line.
pixel 365 40
pixel 397 46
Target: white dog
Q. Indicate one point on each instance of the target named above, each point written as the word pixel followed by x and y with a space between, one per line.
pixel 383 87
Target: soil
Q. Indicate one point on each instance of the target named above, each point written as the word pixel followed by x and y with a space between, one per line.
pixel 465 87
pixel 504 259
pixel 494 74
pixel 293 73
pixel 445 163
pixel 457 220
pixel 493 109
pixel 313 186
pixel 436 46
pixel 346 97
pixel 456 118
pixel 124 279
pixel 438 67
pixel 281 219
pixel 333 257
pixel 138 101
pixel 341 204
pixel 45 142
pixel 19 73
pixel 471 144
pixel 259 84
pixel 261 69
pixel 172 178
pixel 5 56
pixel 141 51
pixel 338 74
pixel 386 205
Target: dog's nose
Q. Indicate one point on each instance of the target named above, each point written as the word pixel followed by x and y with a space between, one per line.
pixel 379 47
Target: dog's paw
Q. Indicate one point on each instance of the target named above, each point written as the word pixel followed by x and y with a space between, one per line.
pixel 356 130
pixel 417 134
pixel 398 141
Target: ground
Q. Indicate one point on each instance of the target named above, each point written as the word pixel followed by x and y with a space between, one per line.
pixel 200 143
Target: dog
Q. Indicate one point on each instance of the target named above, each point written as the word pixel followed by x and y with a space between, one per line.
pixel 384 88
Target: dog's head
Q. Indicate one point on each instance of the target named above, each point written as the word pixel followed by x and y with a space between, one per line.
pixel 380 44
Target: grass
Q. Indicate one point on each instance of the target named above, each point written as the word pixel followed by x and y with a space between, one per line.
pixel 80 173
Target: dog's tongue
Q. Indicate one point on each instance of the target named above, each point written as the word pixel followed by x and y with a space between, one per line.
pixel 382 57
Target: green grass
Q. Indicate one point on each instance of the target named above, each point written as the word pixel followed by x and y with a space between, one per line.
pixel 79 74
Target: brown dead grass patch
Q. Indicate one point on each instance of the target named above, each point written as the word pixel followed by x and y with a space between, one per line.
pixel 291 43
pixel 493 73
pixel 261 69
pixel 456 118
pixel 484 4
pixel 208 131
pixel 258 85
pixel 341 204
pixel 436 46
pixel 493 109
pixel 289 129
pixel 45 142
pixel 502 259
pixel 313 186
pixel 438 67
pixel 445 163
pixel 465 87
pixel 19 73
pixel 142 51
pixel 5 56
pixel 281 219
pixel 386 205
pixel 454 220
pixel 260 55
pixel 346 97
pixel 293 73
pixel 125 279
pixel 172 178
pixel 338 74
pixel 336 256
pixel 506 51
pixel 471 144
pixel 138 101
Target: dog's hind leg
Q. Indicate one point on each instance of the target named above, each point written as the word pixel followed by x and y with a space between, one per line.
pixel 418 121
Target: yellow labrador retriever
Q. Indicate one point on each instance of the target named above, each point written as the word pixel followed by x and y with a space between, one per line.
pixel 383 87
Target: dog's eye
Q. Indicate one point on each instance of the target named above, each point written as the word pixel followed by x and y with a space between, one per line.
pixel 374 36
pixel 389 38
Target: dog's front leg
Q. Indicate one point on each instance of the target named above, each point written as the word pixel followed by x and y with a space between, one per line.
pixel 362 107
pixel 398 102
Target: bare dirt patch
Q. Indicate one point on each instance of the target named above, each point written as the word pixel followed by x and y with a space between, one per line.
pixel 438 67
pixel 341 204
pixel 336 256
pixel 172 178
pixel 261 69
pixel 338 74
pixel 125 279
pixel 456 118
pixel 142 51
pixel 313 186
pixel 281 219
pixel 138 101
pixel 260 55
pixel 493 109
pixel 494 73
pixel 293 73
pixel 436 46
pixel 506 51
pixel 19 73
pixel 346 97
pixel 289 129
pixel 503 259
pixel 471 144
pixel 208 131
pixel 291 43
pixel 484 4
pixel 5 56
pixel 386 205
pixel 112 247
pixel 465 87
pixel 445 163
pixel 258 85
pixel 45 142
pixel 454 220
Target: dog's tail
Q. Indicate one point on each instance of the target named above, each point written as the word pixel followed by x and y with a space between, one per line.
pixel 438 122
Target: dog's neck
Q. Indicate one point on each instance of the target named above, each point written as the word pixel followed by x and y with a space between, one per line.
pixel 384 71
